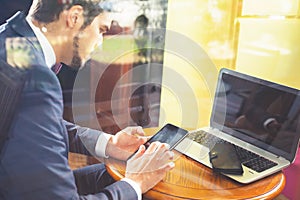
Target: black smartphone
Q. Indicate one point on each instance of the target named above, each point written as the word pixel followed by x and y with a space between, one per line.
pixel 169 134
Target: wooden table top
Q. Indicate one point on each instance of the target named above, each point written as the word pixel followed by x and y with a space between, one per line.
pixel 192 180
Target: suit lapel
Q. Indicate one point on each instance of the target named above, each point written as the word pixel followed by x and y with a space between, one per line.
pixel 34 51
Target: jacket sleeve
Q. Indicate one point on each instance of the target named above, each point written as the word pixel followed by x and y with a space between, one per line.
pixel 120 190
pixel 78 145
pixel 84 140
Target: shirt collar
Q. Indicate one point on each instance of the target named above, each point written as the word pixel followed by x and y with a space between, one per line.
pixel 46 47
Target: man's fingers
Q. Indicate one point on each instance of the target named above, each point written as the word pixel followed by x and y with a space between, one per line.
pixel 139 131
pixel 167 167
pixel 169 155
pixel 160 151
pixel 134 130
pixel 142 140
pixel 162 148
pixel 170 166
pixel 140 152
pixel 152 147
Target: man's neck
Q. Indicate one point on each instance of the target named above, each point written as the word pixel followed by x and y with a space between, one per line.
pixel 49 54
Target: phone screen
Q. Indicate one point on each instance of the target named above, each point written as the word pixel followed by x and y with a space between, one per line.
pixel 169 134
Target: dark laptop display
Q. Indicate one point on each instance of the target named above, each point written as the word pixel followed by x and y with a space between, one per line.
pixel 259 112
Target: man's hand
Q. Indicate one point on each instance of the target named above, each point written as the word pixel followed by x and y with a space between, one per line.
pixel 148 167
pixel 125 142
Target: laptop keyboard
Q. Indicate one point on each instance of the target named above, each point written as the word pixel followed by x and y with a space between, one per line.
pixel 247 158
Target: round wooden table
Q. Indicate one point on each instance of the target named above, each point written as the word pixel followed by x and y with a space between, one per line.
pixel 192 180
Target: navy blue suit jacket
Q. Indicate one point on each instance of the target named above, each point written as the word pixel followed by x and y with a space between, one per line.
pixel 34 161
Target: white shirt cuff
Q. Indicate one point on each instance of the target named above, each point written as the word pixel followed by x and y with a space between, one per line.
pixel 135 186
pixel 101 145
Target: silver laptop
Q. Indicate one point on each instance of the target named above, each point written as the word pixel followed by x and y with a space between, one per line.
pixel 260 118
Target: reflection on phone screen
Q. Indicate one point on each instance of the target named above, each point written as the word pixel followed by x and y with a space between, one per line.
pixel 169 134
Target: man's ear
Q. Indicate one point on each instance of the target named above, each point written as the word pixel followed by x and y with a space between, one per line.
pixel 75 17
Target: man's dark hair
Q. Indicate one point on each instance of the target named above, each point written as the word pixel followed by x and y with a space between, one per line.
pixel 48 11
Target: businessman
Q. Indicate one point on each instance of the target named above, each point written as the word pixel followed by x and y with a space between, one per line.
pixel 34 162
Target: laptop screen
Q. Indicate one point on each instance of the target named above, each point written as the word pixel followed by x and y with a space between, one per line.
pixel 257 111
